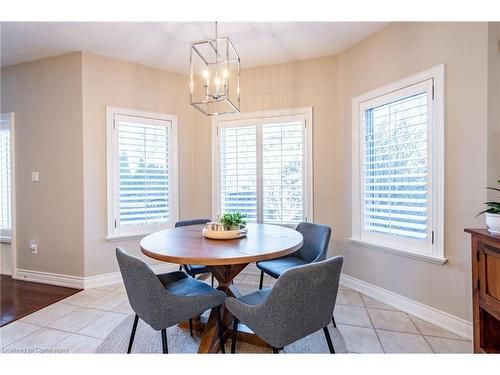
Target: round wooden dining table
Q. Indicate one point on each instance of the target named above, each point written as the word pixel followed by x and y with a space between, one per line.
pixel 225 259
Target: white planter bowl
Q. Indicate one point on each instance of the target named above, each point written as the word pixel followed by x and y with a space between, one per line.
pixel 224 234
pixel 493 223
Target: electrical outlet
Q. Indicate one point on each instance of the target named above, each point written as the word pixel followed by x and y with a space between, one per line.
pixel 33 247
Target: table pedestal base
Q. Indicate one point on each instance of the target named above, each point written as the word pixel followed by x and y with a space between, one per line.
pixel 210 338
pixel 245 334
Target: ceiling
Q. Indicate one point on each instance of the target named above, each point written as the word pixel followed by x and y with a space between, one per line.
pixel 165 45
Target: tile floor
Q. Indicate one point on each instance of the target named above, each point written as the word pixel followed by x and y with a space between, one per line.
pixel 79 323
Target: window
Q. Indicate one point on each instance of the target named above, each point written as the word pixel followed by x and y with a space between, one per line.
pixel 263 166
pixel 398 166
pixel 142 172
pixel 6 150
pixel 238 167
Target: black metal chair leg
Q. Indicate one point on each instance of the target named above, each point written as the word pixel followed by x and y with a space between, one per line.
pixel 212 281
pixel 191 327
pixel 235 334
pixel 132 334
pixel 276 350
pixel 333 321
pixel 329 340
pixel 219 328
pixel 261 279
pixel 164 343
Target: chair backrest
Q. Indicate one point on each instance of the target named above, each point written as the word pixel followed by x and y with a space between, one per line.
pixel 144 290
pixel 185 223
pixel 316 239
pixel 301 302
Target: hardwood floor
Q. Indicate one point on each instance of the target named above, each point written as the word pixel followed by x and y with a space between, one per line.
pixel 20 298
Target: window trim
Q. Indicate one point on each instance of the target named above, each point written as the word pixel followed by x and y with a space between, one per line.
pixel 114 234
pixel 8 236
pixel 306 112
pixel 436 160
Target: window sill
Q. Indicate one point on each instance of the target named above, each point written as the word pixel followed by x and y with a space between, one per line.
pixel 123 237
pixel 5 239
pixel 406 253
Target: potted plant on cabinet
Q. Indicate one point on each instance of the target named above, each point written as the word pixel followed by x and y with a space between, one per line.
pixel 492 214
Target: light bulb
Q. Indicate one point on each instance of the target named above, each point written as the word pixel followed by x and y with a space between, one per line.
pixel 206 75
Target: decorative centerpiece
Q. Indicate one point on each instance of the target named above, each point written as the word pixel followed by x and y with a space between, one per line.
pixel 228 227
pixel 492 214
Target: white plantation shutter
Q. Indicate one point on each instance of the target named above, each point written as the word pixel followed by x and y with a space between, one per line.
pixel 399 145
pixel 144 185
pixel 238 170
pixel 5 175
pixel 261 167
pixel 142 160
pixel 395 167
pixel 283 172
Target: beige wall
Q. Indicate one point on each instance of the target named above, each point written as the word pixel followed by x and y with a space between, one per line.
pixel 493 107
pixel 46 97
pixel 121 84
pixel 328 85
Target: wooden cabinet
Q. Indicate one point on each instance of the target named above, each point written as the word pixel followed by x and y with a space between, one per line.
pixel 485 290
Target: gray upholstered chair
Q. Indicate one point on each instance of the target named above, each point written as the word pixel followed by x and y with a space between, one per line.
pixel 314 249
pixel 167 299
pixel 300 303
pixel 194 269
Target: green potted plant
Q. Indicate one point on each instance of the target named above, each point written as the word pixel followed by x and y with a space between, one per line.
pixel 233 221
pixel 492 214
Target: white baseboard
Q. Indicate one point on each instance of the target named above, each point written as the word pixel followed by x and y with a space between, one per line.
pixel 116 277
pixel 452 323
pixel 49 278
pixel 79 282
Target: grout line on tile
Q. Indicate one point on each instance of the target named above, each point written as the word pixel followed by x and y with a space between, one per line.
pixel 379 308
pixel 373 325
pixel 458 338
pixel 106 311
pixel 353 325
pixel 78 309
pixel 50 321
pixel 448 338
pixel 408 333
pixel 12 343
pixel 88 308
pixel 428 343
pixel 421 334
pixel 61 330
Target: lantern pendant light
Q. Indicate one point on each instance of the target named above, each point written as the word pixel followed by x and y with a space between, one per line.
pixel 214 86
